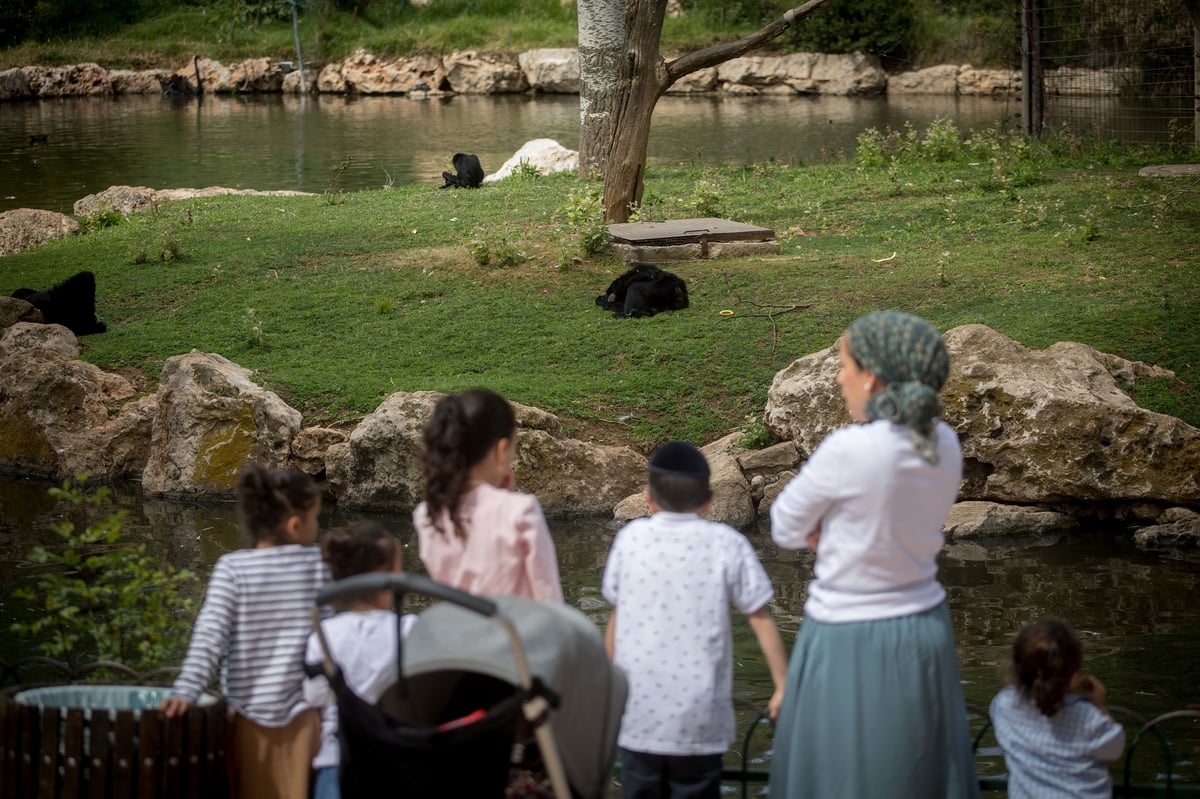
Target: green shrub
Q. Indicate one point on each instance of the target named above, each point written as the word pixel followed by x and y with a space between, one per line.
pixel 103 216
pixel 104 597
pixel 585 213
pixel 859 26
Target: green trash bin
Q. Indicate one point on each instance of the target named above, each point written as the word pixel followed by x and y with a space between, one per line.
pixel 109 741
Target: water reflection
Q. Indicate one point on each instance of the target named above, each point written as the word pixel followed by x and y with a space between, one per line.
pixel 327 143
pixel 1137 614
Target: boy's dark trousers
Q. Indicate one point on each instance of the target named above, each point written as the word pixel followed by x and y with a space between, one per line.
pixel 647 776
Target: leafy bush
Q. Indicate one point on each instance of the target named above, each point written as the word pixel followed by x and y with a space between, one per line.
pixel 706 199
pixel 863 26
pixel 104 597
pixel 585 213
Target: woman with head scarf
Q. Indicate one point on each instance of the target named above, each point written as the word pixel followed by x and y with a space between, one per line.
pixel 873 704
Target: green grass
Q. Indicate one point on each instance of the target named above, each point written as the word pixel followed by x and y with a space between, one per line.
pixel 355 296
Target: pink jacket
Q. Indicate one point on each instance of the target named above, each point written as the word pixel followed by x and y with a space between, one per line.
pixel 505 547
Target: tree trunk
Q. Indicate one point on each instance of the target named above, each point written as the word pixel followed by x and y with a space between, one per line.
pixel 641 81
pixel 601 40
pixel 642 77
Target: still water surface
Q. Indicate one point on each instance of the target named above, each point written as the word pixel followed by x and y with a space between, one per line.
pixel 1138 614
pixel 325 143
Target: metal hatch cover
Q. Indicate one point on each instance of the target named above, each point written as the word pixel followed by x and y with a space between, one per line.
pixel 686 231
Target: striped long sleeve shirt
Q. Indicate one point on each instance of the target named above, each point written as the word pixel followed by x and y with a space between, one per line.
pixel 256 615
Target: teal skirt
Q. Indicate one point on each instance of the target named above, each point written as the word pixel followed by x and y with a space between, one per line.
pixel 874 709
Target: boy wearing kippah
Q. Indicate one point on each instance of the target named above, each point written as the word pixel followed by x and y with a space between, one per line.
pixel 671 579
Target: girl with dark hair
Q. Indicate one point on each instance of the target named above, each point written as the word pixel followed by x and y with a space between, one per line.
pixel 254 622
pixel 362 640
pixel 1056 744
pixel 475 532
pixel 873 704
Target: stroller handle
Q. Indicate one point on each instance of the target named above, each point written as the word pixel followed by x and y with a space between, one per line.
pixel 403 583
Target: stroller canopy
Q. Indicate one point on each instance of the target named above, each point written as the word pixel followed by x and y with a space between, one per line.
pixel 563 648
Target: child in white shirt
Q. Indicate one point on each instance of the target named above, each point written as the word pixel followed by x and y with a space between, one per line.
pixel 671 579
pixel 362 640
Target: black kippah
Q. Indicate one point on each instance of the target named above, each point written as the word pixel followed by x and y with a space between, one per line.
pixel 679 458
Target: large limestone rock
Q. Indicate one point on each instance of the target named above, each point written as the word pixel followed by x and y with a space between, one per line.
pixel 803 402
pixel 252 75
pixel 702 80
pixel 22 228
pixel 1176 535
pixel 569 476
pixel 475 72
pixel 1079 81
pixel 804 73
pixel 310 448
pixel 1055 425
pixel 546 155
pixel 14 85
pixel 365 73
pixel 974 519
pixel 123 199
pixel 554 70
pixel 128 199
pixel 68 81
pixel 1037 426
pixel 13 310
pixel 212 419
pixel 60 417
pixel 988 82
pixel 23 337
pixel 380 465
pixel 130 81
pixel 942 79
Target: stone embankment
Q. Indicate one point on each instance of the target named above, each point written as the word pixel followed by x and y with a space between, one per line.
pixel 1050 440
pixel 550 70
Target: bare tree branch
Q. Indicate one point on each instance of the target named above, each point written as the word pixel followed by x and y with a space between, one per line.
pixel 719 53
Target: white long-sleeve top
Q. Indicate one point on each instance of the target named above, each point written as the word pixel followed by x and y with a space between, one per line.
pixel 256 614
pixel 880 508
pixel 363 645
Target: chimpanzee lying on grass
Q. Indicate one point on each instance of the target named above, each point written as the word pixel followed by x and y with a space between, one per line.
pixel 71 303
pixel 644 291
pixel 470 173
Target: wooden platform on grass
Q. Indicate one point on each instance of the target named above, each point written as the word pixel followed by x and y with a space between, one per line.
pixel 689 239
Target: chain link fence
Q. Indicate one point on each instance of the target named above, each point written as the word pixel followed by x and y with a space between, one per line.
pixel 1124 70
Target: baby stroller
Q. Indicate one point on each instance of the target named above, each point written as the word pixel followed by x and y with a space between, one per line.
pixel 475 679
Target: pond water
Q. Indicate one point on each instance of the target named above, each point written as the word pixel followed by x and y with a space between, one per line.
pixel 329 143
pixel 1138 613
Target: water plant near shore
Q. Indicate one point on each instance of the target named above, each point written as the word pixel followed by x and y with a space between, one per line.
pixel 99 596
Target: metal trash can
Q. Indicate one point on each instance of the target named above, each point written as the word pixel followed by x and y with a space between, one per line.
pixel 110 742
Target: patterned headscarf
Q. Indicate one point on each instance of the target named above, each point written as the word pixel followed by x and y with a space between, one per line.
pixel 908 354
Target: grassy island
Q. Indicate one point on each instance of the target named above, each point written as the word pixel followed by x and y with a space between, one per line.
pixel 337 300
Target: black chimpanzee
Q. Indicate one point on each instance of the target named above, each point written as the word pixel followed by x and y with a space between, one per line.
pixel 71 303
pixel 644 291
pixel 470 172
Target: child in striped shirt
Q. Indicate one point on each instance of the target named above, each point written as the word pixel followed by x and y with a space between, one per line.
pixel 256 617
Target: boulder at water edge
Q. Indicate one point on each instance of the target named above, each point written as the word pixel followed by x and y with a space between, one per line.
pixel 22 228
pixel 211 419
pixel 59 416
pixel 380 465
pixel 1045 426
pixel 545 155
